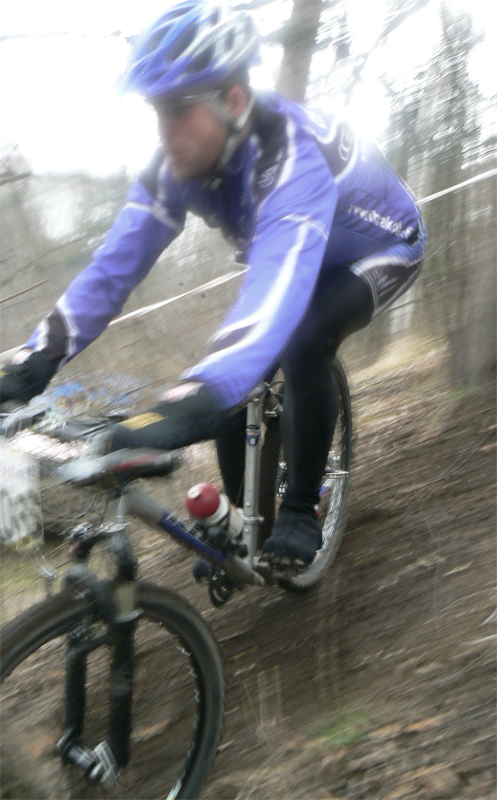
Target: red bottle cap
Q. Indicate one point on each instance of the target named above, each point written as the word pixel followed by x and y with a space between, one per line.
pixel 202 500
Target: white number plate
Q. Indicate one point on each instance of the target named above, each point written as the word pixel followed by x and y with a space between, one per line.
pixel 20 504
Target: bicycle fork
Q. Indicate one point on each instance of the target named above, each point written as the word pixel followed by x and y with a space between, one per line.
pixel 116 607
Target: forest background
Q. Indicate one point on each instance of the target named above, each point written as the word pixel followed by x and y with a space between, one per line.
pixel 441 132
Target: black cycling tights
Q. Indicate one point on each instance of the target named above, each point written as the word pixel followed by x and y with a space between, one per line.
pixel 341 304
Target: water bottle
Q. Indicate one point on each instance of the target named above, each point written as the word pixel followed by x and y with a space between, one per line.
pixel 209 507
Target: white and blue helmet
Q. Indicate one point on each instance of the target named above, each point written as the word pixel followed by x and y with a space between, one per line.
pixel 192 47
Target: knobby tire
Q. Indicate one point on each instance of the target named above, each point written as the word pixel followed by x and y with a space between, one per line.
pixel 178 701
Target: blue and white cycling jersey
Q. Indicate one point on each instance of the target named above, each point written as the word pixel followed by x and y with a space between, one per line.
pixel 300 195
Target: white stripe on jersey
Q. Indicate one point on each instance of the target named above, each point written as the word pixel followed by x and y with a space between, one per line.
pixel 254 318
pixel 329 126
pixel 72 331
pixel 352 161
pixel 42 338
pixel 156 212
pixel 292 153
pixel 366 264
pixel 364 269
pixel 262 318
pixel 312 222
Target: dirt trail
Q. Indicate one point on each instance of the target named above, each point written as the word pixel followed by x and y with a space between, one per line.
pixel 381 682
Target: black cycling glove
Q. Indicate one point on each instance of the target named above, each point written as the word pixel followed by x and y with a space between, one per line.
pixel 26 380
pixel 172 424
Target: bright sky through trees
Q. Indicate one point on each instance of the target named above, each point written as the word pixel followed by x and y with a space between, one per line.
pixel 58 98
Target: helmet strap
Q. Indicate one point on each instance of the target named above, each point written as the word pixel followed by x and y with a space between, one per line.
pixel 235 126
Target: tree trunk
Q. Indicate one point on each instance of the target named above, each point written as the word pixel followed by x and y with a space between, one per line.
pixel 299 39
pixel 474 356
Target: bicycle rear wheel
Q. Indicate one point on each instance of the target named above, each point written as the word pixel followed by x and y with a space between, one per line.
pixel 332 509
pixel 178 701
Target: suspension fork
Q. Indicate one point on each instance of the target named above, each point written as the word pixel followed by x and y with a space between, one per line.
pixel 115 605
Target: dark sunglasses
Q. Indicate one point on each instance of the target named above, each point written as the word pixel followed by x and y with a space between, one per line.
pixel 176 109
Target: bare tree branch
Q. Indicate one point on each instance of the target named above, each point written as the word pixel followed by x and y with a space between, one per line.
pixel 23 291
pixel 7 38
pixel 10 177
pixel 251 4
pixel 398 20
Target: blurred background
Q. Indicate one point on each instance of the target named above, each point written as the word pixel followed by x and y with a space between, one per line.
pixel 417 76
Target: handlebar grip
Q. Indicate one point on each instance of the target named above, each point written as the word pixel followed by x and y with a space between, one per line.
pixel 19 418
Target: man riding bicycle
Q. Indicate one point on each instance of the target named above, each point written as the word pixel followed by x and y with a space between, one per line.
pixel 329 233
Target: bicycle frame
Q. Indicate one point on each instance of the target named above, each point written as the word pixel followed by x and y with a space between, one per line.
pixel 116 603
pixel 238 569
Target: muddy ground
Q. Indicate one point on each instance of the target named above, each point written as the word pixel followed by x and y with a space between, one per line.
pixel 381 682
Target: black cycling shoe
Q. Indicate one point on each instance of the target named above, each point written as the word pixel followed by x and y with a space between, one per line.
pixel 294 542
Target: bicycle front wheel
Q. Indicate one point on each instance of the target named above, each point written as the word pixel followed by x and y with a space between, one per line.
pixel 178 701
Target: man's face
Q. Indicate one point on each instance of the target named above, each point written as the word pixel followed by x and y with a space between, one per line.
pixel 192 137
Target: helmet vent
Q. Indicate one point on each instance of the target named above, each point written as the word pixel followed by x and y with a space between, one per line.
pixel 229 41
pixel 183 41
pixel 215 17
pixel 155 40
pixel 203 60
pixel 194 45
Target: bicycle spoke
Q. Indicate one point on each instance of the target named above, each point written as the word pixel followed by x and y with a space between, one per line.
pixel 166 717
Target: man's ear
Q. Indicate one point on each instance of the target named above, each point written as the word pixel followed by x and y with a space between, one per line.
pixel 236 101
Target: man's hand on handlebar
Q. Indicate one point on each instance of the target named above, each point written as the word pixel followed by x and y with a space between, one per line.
pixel 23 380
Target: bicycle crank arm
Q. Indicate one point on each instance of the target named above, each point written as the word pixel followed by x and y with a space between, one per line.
pixel 240 571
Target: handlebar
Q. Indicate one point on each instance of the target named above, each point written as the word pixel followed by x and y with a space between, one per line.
pixel 117 468
pixel 15 418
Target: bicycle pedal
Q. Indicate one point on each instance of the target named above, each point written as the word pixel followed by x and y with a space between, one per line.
pixel 263 568
pixel 282 566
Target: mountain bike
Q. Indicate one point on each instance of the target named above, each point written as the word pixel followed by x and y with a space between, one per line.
pixel 114 687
